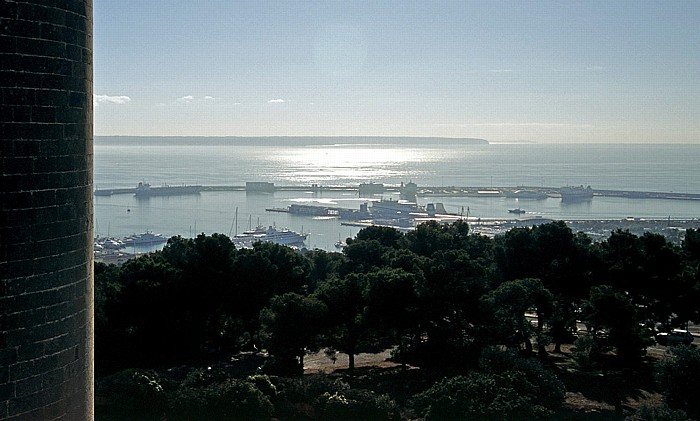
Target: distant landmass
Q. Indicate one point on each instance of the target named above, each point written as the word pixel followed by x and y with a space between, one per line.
pixel 319 139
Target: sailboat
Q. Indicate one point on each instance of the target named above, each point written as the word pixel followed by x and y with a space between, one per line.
pixel 340 244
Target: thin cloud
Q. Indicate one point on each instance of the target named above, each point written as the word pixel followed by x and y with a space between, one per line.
pixel 501 70
pixel 580 69
pixel 208 98
pixel 275 101
pixel 512 124
pixel 532 124
pixel 110 99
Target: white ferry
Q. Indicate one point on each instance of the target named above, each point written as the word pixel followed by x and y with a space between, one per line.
pixel 146 238
pixel 270 234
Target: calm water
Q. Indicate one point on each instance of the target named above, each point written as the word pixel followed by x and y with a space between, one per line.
pixel 124 161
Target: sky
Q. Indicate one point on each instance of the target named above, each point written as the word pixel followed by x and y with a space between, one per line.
pixel 536 71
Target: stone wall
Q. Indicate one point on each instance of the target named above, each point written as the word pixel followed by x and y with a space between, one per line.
pixel 46 211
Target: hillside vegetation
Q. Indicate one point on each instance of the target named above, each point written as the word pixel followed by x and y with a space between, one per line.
pixel 516 327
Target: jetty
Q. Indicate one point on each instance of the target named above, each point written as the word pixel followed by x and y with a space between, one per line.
pixel 410 190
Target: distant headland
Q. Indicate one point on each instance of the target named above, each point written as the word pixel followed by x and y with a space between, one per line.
pixel 313 139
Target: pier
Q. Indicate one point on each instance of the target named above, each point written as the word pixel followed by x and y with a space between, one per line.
pixel 442 191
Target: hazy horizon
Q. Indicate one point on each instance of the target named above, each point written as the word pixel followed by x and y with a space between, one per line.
pixel 544 72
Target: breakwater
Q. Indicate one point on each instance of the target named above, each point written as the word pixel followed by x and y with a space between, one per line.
pixel 441 191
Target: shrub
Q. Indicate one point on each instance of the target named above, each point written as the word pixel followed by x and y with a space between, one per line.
pixel 677 377
pixel 657 413
pixel 134 394
pixel 506 388
pixel 227 400
pixel 356 404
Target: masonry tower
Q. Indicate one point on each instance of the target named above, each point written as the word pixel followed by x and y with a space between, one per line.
pixel 46 210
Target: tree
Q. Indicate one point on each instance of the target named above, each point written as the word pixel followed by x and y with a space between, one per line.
pixel 345 322
pixel 205 264
pixel 560 259
pixel 363 256
pixel 290 325
pixel 449 294
pixel 430 237
pixel 677 377
pixel 260 273
pixel 147 324
pixel 386 236
pixel 392 303
pixel 507 305
pixel 612 320
pixel 648 268
pixel 691 244
pixel 324 266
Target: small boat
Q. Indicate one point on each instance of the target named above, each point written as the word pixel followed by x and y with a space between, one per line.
pixel 108 243
pixel 516 211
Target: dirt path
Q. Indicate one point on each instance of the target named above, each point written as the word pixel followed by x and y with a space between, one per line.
pixel 319 362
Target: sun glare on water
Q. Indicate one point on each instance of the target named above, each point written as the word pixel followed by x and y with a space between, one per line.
pixel 346 162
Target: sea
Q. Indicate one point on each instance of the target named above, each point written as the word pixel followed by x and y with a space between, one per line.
pixel 122 162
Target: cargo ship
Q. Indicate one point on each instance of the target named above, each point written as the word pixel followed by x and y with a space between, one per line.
pixel 146 190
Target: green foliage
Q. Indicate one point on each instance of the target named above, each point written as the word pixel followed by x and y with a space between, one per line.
pixel 657 413
pixel 540 384
pixel 588 351
pixel 356 404
pixel 331 399
pixel 678 376
pixel 691 244
pixel 612 320
pixel 309 388
pixel 391 300
pixel 507 305
pixel 648 269
pixel 290 325
pixel 227 400
pixel 264 384
pixel 324 266
pixel 482 396
pixel 431 237
pixel 346 327
pixel 507 388
pixel 134 394
pixel 560 259
pixel 363 256
pixel 107 291
pixel 387 237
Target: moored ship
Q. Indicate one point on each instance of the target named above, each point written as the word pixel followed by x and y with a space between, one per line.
pixel 394 208
pixel 270 234
pixel 526 194
pixel 573 194
pixel 146 238
pixel 146 190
